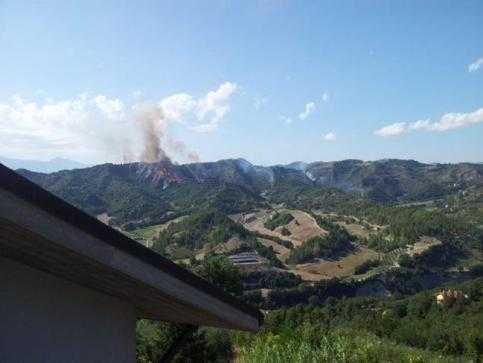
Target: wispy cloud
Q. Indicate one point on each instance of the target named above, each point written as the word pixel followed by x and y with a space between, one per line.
pixel 330 136
pixel 476 65
pixel 285 119
pixel 137 94
pixel 309 109
pixel 259 102
pixel 448 121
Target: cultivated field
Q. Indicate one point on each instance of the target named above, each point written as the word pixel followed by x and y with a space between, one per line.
pixel 324 269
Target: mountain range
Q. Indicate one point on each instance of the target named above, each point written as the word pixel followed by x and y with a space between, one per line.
pixel 144 192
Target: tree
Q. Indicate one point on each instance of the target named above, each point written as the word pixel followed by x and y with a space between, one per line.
pixel 221 272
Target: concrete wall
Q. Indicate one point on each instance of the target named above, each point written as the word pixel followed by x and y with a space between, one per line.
pixel 47 319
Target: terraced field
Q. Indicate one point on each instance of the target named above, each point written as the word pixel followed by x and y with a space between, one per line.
pixel 301 228
pixel 324 269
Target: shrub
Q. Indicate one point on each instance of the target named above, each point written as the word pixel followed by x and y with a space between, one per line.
pixel 285 232
pixel 277 220
pixel 366 266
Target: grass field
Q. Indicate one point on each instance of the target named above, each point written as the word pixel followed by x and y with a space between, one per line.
pixel 308 344
pixel 146 235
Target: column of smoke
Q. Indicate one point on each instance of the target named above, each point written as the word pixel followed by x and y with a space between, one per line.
pixel 153 123
pixel 155 131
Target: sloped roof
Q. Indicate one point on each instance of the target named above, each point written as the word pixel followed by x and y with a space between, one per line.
pixel 43 231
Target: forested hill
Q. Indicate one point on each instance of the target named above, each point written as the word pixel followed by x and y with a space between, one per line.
pixel 353 261
pixel 138 191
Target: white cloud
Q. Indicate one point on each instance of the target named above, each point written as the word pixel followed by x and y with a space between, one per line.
pixel 325 97
pixel 203 114
pixel 395 129
pixel 97 127
pixel 176 106
pixel 82 125
pixel 473 67
pixel 330 136
pixel 211 108
pixel 112 108
pixel 448 121
pixel 309 108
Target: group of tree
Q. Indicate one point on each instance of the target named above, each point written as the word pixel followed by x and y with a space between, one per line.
pixel 335 244
pixel 269 279
pixel 278 219
pixel 451 327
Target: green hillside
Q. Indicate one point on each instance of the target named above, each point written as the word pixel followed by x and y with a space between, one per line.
pixel 354 253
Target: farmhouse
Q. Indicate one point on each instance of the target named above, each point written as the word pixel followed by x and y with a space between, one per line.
pixel 449 295
pixel 72 288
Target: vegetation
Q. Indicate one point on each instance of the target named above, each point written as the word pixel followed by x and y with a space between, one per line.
pixel 313 294
pixel 210 228
pixel 270 279
pixel 384 243
pixel 397 203
pixel 452 328
pixel 366 266
pixel 278 219
pixel 285 232
pixel 280 241
pixel 313 343
pixel 199 229
pixel 205 344
pixel 331 246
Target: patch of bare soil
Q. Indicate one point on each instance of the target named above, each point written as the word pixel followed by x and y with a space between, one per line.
pixel 282 252
pixel 422 245
pixel 324 269
pixel 231 245
pixel 355 229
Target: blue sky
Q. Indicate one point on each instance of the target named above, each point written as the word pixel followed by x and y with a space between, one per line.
pixel 374 79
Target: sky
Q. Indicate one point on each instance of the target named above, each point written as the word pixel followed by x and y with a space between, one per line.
pixel 268 81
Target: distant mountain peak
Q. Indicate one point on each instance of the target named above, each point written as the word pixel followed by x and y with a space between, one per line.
pixel 41 166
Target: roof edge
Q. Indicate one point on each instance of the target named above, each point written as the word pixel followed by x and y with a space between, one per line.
pixel 41 198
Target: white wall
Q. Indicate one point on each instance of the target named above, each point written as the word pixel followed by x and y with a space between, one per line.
pixel 47 319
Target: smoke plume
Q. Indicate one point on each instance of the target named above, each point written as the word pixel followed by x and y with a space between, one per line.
pixel 152 120
pixel 158 144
